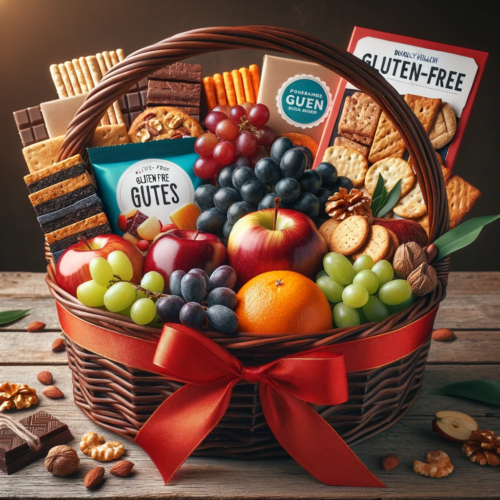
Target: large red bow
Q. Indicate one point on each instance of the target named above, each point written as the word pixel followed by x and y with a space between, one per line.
pixel 317 376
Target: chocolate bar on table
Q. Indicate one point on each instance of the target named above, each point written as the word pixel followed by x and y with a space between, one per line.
pixel 31 125
pixel 15 452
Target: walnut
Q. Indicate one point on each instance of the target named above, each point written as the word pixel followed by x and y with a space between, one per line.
pixel 173 120
pixel 62 460
pixel 344 204
pixel 423 280
pixel 144 134
pixel 16 396
pixel 438 465
pixel 94 446
pixel 407 258
pixel 483 448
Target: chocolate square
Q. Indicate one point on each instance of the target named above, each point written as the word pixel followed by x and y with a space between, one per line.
pixel 31 125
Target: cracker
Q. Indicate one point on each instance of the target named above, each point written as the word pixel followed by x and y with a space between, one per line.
pixel 73 77
pixel 66 80
pixel 326 230
pixel 392 169
pixel 80 75
pixel 412 205
pixel 360 115
pixel 42 154
pixel 350 235
pixel 387 141
pixel 110 135
pixel 367 141
pixel 461 198
pixel 349 162
pixel 444 127
pixel 393 245
pixel 424 222
pixel 424 108
pixel 344 141
pixel 446 174
pixel 376 245
pixel 58 81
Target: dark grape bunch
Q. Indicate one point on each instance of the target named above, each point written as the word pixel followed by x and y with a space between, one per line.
pixel 196 297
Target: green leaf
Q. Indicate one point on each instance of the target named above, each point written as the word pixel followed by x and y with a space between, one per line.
pixel 461 236
pixel 391 200
pixel 379 195
pixel 10 316
pixel 487 391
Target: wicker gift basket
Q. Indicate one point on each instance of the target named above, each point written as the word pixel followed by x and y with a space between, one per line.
pixel 121 398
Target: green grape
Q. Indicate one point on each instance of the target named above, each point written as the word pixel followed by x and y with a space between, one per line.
pixel 339 268
pixel 90 294
pixel 320 274
pixel 383 269
pixel 355 296
pixel 365 262
pixel 121 265
pixel 119 296
pixel 375 309
pixel 139 294
pixel 344 316
pixel 126 311
pixel 362 316
pixel 402 306
pixel 395 292
pixel 143 311
pixel 367 279
pixel 153 281
pixel 331 289
pixel 101 271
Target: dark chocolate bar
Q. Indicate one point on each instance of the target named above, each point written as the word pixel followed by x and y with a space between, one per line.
pixel 15 452
pixel 178 72
pixel 133 103
pixel 173 93
pixel 31 125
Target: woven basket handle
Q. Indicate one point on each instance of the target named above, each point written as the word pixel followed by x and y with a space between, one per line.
pixel 192 43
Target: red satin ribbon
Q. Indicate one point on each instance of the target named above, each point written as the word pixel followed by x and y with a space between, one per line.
pixel 286 386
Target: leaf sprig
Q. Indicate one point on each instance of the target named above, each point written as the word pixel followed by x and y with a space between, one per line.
pixel 383 202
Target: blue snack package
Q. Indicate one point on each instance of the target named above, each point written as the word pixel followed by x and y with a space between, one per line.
pixel 154 177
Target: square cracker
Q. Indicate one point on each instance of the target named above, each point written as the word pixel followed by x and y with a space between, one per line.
pixel 110 135
pixel 42 154
pixel 360 115
pixel 349 162
pixel 387 141
pixel 461 198
pixel 357 138
pixel 425 108
pixel 344 141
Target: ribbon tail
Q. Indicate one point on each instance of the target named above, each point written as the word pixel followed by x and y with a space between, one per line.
pixel 182 422
pixel 312 442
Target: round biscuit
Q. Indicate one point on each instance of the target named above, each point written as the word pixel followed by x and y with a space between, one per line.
pixel 350 235
pixel 392 169
pixel 326 230
pixel 377 244
pixel 412 205
pixel 349 162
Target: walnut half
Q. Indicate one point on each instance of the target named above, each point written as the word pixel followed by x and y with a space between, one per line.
pixel 94 446
pixel 438 465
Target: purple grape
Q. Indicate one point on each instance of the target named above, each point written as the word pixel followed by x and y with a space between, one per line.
pixel 168 308
pixel 223 276
pixel 193 288
pixel 192 315
pixel 203 274
pixel 223 297
pixel 222 319
pixel 174 283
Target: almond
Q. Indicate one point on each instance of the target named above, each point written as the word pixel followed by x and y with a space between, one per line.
pixel 58 345
pixel 36 326
pixel 93 477
pixel 45 378
pixel 390 462
pixel 431 251
pixel 443 335
pixel 53 392
pixel 122 468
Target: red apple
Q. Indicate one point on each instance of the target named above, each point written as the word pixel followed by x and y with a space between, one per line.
pixel 405 229
pixel 454 425
pixel 185 250
pixel 296 245
pixel 73 266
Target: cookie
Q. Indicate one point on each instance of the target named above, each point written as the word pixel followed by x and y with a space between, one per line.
pixel 348 162
pixel 42 154
pixel 461 198
pixel 344 141
pixel 424 108
pixel 387 141
pixel 412 205
pixel 326 230
pixel 360 115
pixel 163 122
pixel 392 169
pixel 444 127
pixel 376 245
pixel 110 135
pixel 393 245
pixel 350 235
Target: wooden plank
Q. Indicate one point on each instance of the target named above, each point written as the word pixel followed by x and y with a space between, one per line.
pixel 42 309
pixel 23 285
pixel 23 348
pixel 226 479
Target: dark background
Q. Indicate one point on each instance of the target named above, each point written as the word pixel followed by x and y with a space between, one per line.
pixel 37 33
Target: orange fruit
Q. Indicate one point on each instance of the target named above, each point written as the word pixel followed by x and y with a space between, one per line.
pixel 282 303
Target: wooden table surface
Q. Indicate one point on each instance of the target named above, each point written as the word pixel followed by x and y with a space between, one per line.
pixel 472 310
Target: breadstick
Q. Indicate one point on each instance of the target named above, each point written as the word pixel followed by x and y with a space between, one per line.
pixel 104 70
pixel 114 57
pixel 72 76
pixel 219 89
pixel 229 85
pixel 95 75
pixel 66 80
pixel 120 54
pixel 57 78
pixel 247 85
pixel 238 86
pixel 86 73
pixel 80 75
pixel 116 106
pixel 208 85
pixel 254 75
